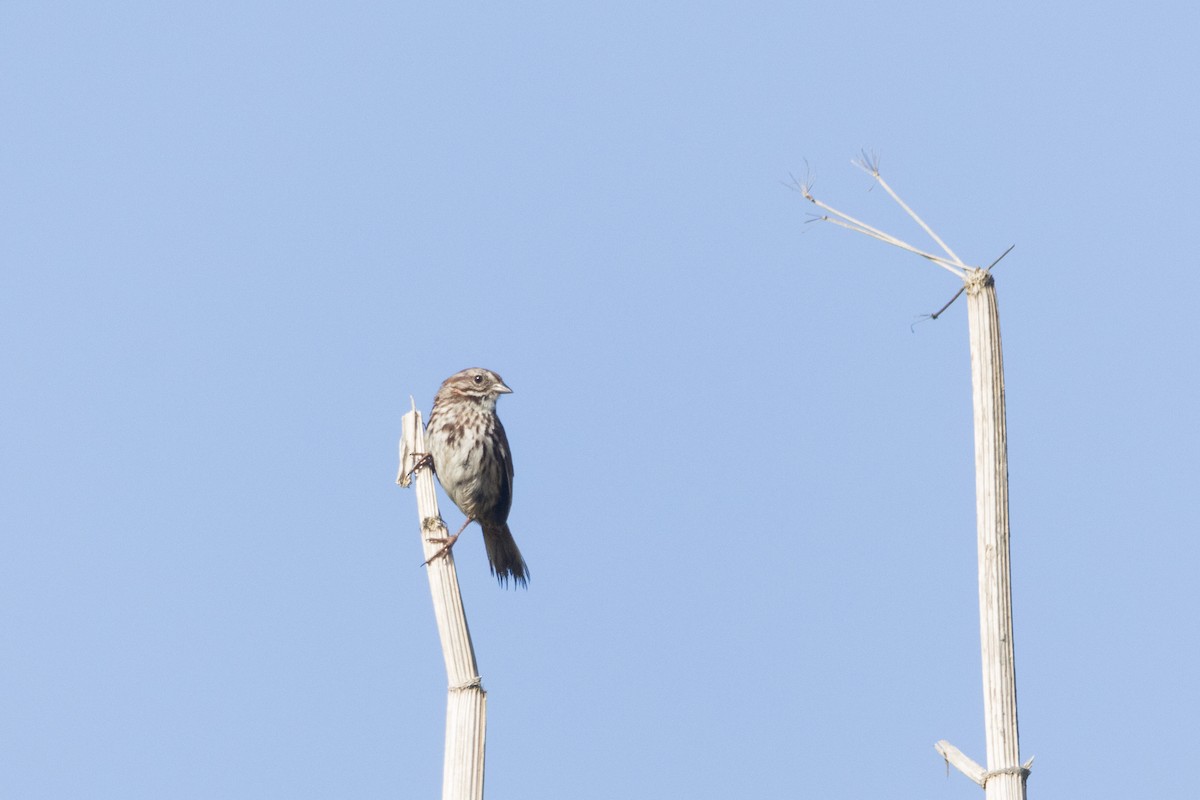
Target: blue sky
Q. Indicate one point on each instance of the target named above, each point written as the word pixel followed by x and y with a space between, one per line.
pixel 238 236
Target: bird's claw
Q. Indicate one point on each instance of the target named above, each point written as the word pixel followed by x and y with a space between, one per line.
pixel 447 541
pixel 422 460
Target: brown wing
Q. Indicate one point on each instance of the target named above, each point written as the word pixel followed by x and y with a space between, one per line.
pixel 506 481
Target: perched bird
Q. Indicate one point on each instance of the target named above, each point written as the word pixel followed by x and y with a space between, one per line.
pixel 474 465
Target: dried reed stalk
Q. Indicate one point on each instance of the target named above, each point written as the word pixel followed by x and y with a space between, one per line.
pixel 466 705
pixel 1004 778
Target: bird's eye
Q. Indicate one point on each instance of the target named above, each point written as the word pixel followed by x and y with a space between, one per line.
pixel 479 379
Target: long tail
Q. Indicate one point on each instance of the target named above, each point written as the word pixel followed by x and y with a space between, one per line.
pixel 503 555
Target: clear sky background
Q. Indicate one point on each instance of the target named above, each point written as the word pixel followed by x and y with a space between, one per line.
pixel 236 237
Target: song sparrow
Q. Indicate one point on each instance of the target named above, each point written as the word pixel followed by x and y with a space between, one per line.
pixel 473 463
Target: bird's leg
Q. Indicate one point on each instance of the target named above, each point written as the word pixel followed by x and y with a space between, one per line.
pixel 447 542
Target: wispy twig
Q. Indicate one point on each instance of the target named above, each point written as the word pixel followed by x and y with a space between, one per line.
pixel 955 266
pixel 870 164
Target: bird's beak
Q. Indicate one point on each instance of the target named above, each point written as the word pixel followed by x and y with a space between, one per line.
pixel 501 388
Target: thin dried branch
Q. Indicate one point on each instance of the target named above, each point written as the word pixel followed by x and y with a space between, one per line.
pixel 1002 255
pixel 949 302
pixel 850 223
pixel 870 164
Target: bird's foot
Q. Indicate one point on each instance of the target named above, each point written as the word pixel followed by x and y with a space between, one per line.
pixel 447 542
pixel 422 460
